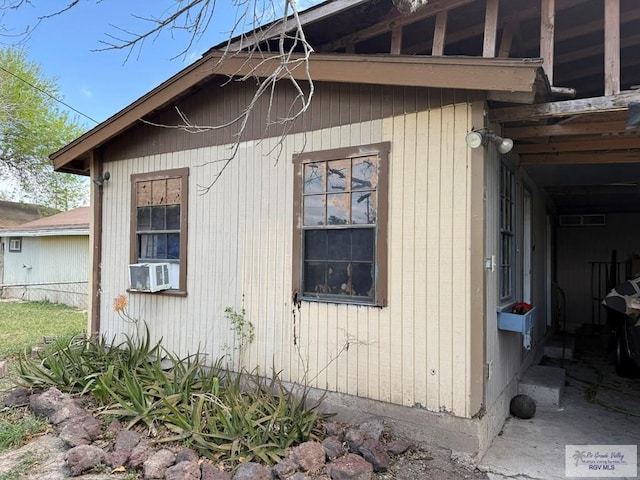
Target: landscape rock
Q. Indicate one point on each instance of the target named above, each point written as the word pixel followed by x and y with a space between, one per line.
pixel 399 446
pixel 156 465
pixel 187 455
pixel 350 467
pixel 68 410
pixel 186 470
pixel 211 472
pixel 47 403
pixel 18 397
pixel 373 427
pixel 285 468
pixel 354 438
pixel 80 431
pixel 126 441
pixel 309 456
pixel 333 448
pixel 253 471
pixel 83 458
pixel 140 454
pixel 374 453
pixel 334 429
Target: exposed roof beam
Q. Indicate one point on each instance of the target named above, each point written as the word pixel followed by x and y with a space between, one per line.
pixel 429 10
pixel 565 129
pixel 439 33
pixel 490 28
pixel 565 108
pixel 594 144
pixel 396 41
pixel 478 28
pixel 611 47
pixel 547 32
pixel 583 158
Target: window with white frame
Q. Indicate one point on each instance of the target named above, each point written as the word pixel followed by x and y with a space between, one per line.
pixel 15 244
pixel 507 234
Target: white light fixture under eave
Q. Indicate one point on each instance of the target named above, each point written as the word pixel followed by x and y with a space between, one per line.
pixel 476 138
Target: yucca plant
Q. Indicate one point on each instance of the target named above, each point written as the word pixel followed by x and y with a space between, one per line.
pixel 228 418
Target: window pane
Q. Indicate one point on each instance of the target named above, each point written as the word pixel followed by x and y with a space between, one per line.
pixel 145 246
pixel 363 244
pixel 363 208
pixel 314 177
pixel 173 217
pixel 143 193
pixel 144 218
pixel 338 279
pixel 338 176
pixel 173 246
pixel 362 279
pixel 314 277
pixel 339 245
pixel 159 192
pixel 160 245
pixel 338 209
pixel 174 191
pixel 365 173
pixel 314 210
pixel 158 215
pixel 315 244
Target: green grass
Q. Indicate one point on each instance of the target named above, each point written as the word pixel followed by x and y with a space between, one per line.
pixel 17 426
pixel 24 324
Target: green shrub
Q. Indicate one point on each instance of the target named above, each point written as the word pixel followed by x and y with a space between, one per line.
pixel 228 418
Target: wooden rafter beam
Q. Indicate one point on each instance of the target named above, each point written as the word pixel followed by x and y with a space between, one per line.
pixel 565 129
pixel 429 10
pixel 396 41
pixel 439 33
pixel 510 26
pixel 612 103
pixel 478 28
pixel 547 33
pixel 611 47
pixel 596 144
pixel 581 158
pixel 490 28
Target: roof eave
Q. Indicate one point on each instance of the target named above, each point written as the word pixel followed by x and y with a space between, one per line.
pixel 472 73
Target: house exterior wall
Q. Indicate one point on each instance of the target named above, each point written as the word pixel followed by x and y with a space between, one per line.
pixel 48 268
pixel 416 351
pixel 507 359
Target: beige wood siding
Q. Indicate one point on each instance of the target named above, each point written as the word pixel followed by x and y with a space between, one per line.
pixel 415 352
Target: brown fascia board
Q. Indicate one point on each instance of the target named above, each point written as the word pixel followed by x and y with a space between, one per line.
pixel 471 73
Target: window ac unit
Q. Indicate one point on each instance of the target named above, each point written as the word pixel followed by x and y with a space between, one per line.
pixel 149 277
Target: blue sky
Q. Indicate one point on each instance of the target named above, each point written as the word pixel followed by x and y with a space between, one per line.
pixel 99 84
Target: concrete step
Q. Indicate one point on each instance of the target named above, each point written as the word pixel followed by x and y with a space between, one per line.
pixel 553 348
pixel 544 384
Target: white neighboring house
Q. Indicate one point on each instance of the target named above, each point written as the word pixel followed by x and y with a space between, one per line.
pixel 47 259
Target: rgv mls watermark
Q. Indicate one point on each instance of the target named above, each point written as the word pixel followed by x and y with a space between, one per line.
pixel 603 461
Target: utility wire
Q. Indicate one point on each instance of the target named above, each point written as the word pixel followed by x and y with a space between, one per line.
pixel 48 94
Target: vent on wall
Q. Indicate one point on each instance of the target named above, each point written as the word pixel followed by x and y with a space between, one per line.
pixel 589 220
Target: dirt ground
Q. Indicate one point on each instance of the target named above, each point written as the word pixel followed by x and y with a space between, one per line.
pixel 43 458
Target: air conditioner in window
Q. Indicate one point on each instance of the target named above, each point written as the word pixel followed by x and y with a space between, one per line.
pixel 149 277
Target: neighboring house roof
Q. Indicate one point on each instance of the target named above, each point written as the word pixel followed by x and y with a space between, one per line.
pixel 73 222
pixel 17 213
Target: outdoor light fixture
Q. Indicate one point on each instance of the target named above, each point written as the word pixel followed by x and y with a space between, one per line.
pixel 100 179
pixel 476 138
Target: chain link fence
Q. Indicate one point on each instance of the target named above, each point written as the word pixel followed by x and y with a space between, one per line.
pixel 74 294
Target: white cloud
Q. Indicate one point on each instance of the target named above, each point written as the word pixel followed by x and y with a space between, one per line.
pixel 86 91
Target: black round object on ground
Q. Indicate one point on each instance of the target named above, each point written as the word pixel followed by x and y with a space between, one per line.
pixel 522 406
